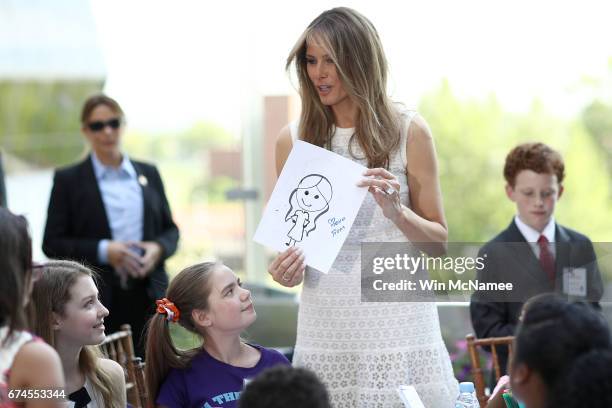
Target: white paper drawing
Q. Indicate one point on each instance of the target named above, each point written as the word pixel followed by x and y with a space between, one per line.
pixel 308 202
pixel 313 205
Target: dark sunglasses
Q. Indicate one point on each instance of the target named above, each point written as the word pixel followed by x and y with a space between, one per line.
pixel 100 125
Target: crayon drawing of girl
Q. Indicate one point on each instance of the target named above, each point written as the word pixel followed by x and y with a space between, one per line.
pixel 307 203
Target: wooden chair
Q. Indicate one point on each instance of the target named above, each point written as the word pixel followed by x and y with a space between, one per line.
pixel 474 345
pixel 120 348
pixel 141 385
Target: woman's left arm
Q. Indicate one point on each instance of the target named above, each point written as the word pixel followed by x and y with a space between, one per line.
pixel 424 222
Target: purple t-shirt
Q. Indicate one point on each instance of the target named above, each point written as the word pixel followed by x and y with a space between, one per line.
pixel 210 383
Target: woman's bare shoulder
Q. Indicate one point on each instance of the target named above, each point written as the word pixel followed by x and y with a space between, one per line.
pixel 418 130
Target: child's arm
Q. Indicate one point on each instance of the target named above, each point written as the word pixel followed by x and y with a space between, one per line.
pixel 37 366
pixel 496 400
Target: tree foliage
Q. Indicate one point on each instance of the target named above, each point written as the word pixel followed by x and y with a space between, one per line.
pixel 472 140
pixel 39 120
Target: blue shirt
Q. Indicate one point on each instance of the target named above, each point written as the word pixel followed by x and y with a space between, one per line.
pixel 122 198
pixel 210 383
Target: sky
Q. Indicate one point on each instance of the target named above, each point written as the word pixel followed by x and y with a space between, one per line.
pixel 171 64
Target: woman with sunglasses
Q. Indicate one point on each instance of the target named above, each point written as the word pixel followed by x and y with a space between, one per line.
pixel 111 212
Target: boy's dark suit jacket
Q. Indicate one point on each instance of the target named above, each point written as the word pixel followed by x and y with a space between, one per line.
pixel 510 258
pixel 77 221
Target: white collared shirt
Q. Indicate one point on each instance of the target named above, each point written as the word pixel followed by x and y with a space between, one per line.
pixel 123 202
pixel 531 235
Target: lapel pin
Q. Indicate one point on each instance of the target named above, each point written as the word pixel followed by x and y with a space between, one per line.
pixel 142 180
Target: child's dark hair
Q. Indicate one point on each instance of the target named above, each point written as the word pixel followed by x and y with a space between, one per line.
pixel 554 334
pixel 547 297
pixel 588 383
pixel 536 157
pixel 285 386
pixel 15 270
pixel 189 291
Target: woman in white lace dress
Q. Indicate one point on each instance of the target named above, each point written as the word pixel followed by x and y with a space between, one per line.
pixel 363 351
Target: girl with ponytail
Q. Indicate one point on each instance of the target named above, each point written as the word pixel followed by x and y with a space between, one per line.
pixel 208 300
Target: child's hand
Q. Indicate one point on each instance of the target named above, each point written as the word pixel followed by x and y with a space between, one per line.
pixel 496 400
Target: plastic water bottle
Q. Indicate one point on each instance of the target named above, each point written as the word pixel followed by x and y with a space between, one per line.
pixel 466 398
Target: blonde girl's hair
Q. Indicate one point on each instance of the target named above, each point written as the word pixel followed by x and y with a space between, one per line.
pixel 51 293
pixel 355 48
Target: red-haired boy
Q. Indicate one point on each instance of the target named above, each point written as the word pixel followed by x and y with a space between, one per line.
pixel 534 252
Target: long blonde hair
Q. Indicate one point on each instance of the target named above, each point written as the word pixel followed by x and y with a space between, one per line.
pixel 50 294
pixel 353 44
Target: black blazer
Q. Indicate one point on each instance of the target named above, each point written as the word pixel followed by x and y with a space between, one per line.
pixel 495 317
pixel 76 221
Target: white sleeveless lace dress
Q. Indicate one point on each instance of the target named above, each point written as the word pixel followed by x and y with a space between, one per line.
pixel 363 351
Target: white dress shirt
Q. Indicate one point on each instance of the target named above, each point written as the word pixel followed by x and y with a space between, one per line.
pixel 531 235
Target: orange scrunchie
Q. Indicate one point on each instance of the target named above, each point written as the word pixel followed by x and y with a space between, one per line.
pixel 164 306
